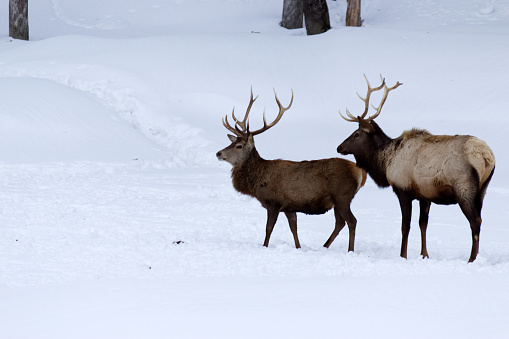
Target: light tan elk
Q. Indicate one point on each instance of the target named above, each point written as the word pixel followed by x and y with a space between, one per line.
pixel 311 187
pixel 443 169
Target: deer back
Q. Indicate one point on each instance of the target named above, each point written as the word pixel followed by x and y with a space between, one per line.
pixel 312 187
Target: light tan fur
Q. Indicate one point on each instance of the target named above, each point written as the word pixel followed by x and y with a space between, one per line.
pixel 480 156
pixel 441 169
pixel 436 165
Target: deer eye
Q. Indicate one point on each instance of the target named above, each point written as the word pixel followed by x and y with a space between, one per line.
pixel 239 147
pixel 356 135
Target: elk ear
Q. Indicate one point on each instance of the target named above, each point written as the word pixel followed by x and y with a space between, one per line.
pixel 250 139
pixel 366 126
pixel 232 137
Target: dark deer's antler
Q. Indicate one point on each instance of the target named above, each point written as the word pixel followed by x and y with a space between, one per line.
pixel 244 124
pixel 242 127
pixel 282 111
pixel 378 109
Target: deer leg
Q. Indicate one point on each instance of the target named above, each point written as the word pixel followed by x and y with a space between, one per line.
pixel 340 223
pixel 343 214
pixel 292 221
pixel 272 214
pixel 405 203
pixel 474 217
pixel 352 224
pixel 423 224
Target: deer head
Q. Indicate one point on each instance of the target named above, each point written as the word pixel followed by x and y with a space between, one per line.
pixel 242 140
pixel 360 139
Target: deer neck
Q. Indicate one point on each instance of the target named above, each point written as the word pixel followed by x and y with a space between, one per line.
pixel 246 175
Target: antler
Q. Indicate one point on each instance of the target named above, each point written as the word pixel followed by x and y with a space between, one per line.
pixel 386 92
pixel 366 101
pixel 282 110
pixel 244 124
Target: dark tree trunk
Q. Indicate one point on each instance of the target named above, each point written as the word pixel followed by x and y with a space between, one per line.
pixel 18 19
pixel 316 16
pixel 353 13
pixel 293 12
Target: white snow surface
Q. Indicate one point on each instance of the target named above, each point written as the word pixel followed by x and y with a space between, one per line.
pixel 117 220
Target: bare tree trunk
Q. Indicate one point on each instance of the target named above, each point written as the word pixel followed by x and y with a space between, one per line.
pixel 316 16
pixel 353 13
pixel 18 19
pixel 292 14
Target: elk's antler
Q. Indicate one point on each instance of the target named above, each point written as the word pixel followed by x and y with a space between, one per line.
pixel 282 110
pixel 378 109
pixel 386 92
pixel 242 127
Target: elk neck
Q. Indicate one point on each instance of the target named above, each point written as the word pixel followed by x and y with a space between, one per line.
pixel 374 159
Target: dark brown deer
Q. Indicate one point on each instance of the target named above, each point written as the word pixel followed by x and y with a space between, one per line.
pixel 443 169
pixel 311 187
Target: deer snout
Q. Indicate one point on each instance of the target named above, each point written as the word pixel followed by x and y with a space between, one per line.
pixel 220 156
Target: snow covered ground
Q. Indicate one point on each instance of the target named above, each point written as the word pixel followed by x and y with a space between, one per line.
pixel 117 220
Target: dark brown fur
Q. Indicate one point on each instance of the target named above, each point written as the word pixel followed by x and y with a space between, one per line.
pixel 311 187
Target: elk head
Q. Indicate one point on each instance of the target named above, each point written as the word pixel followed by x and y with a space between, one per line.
pixel 242 141
pixel 368 136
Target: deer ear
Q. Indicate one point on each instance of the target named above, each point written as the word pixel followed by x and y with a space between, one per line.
pixel 366 126
pixel 232 137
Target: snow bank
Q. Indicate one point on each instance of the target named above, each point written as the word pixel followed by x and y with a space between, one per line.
pixel 116 220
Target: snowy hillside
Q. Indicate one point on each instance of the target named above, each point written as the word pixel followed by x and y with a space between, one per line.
pixel 117 220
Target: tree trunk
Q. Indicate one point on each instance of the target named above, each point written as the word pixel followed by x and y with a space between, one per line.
pixel 18 19
pixel 353 13
pixel 292 14
pixel 316 16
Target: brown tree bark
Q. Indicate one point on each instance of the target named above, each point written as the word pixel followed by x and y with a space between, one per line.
pixel 18 19
pixel 353 13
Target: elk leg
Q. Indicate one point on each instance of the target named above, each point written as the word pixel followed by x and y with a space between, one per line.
pixel 423 224
pixel 474 218
pixel 292 221
pixel 405 203
pixel 272 214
